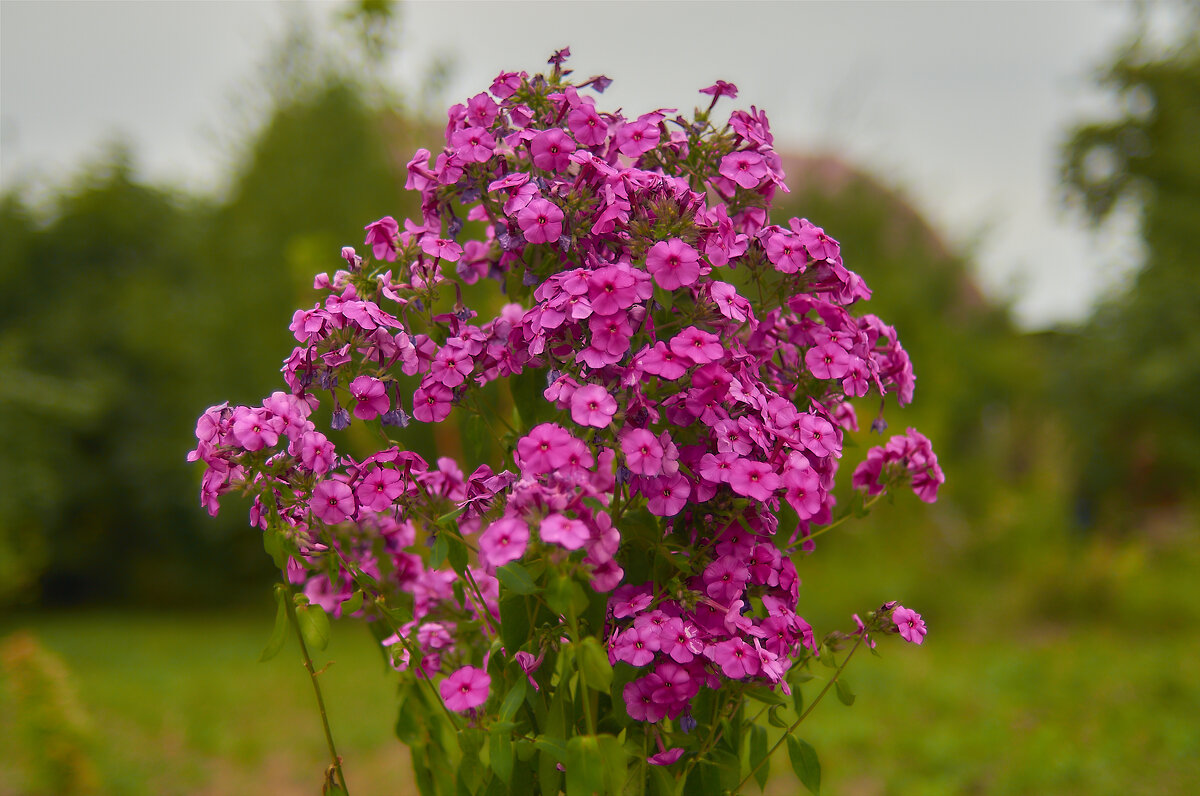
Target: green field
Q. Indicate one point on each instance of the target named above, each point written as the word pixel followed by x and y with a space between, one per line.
pixel 178 704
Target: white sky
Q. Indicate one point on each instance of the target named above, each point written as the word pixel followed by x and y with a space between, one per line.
pixel 961 105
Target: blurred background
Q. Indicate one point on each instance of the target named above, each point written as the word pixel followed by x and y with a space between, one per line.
pixel 1019 184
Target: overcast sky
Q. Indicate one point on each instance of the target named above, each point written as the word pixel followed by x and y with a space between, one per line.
pixel 961 105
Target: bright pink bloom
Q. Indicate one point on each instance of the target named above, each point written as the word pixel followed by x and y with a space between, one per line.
pixel 379 489
pixel 371 396
pixel 431 403
pixel 697 345
pixel 673 264
pixel 736 658
pixel 665 758
pixel 381 236
pixel 564 531
pixel 466 689
pixel 552 150
pixel 910 624
pixel 592 405
pixel 332 501
pixel 473 145
pixel 828 361
pixel 254 429
pixel 546 448
pixel 639 699
pixel 638 138
pixel 541 221
pixel 666 495
pixel 504 540
pixel 643 453
pixel 441 248
pixel 755 480
pixel 586 124
pixel 661 361
pixel 745 168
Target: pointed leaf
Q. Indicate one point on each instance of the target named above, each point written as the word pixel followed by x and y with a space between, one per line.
pixel 516 579
pixel 593 662
pixel 314 626
pixel 513 699
pixel 758 754
pixel 844 694
pixel 279 633
pixel 775 719
pixel 585 766
pixel 805 763
pixel 500 750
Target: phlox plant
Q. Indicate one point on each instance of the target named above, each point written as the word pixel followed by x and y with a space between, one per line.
pixel 612 605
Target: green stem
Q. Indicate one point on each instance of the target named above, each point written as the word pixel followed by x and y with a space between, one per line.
pixel 803 716
pixel 834 524
pixel 312 674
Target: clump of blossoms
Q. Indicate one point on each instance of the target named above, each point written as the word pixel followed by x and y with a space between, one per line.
pixel 670 380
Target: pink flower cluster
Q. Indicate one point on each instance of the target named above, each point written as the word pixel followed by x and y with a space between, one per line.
pixel 698 362
pixel 908 456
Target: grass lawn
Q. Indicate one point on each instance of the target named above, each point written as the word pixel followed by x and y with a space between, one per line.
pixel 178 704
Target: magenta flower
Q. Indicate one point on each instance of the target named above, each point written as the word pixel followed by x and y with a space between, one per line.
pixel 639 699
pixel 721 89
pixel 586 124
pixel 546 448
pixel 254 429
pixel 381 236
pixel 371 395
pixel 541 221
pixel 746 168
pixel 552 150
pixel 736 658
pixel 666 495
pixel 666 757
pixel 755 480
pixel 909 623
pixel 564 531
pixel 474 144
pixel 638 138
pixel 828 361
pixel 673 264
pixel 466 689
pixel 592 405
pixel 504 540
pixel 431 403
pixel 643 452
pixel 332 501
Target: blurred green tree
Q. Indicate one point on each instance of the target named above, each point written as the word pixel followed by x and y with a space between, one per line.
pixel 161 304
pixel 1131 373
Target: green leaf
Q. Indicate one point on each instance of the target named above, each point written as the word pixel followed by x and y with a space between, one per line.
pixel 354 604
pixel 457 551
pixel 314 626
pixel 585 766
pixel 279 633
pixel 441 549
pixel 273 544
pixel 616 763
pixel 765 695
pixel 776 720
pixel 513 699
pixel 805 763
pixel 844 694
pixel 798 700
pixel 593 662
pixel 514 620
pixel 421 770
pixel 500 750
pixel 566 597
pixel 516 579
pixel 758 754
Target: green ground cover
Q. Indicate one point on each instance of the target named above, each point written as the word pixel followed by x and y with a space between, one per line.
pixel 178 704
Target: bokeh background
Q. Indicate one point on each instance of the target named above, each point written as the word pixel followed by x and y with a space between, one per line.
pixel 1019 183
